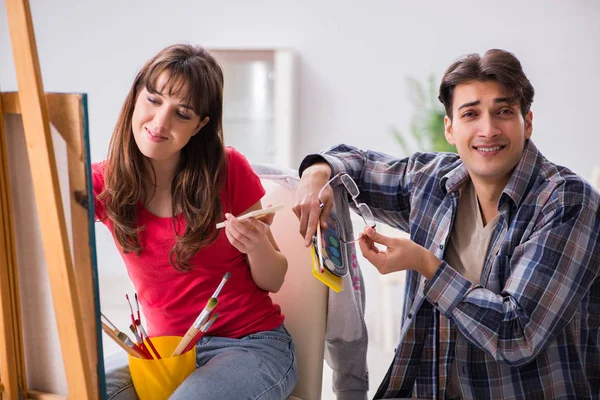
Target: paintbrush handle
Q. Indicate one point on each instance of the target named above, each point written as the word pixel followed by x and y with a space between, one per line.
pixel 254 214
pixel 193 342
pixel 144 334
pixel 151 345
pixel 223 282
pixel 200 333
pixel 185 340
pixel 198 323
pixel 114 337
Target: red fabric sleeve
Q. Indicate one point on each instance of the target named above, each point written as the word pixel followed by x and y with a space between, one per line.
pixel 243 185
pixel 98 185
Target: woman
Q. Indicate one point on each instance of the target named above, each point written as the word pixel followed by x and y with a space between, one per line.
pixel 167 181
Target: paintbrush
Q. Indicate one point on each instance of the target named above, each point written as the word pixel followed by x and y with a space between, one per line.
pixel 201 320
pixel 142 332
pixel 147 339
pixel 137 307
pixel 131 309
pixel 122 337
pixel 127 346
pixel 201 333
pixel 140 342
pixel 320 247
pixel 223 281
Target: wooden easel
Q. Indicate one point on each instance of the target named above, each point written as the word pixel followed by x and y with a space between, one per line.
pixel 72 288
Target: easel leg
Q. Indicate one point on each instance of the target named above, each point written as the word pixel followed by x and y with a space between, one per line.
pixel 49 203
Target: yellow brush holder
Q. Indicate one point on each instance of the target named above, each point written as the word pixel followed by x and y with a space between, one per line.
pixel 158 379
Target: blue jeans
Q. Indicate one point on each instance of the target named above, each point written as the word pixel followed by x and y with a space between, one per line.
pixel 258 366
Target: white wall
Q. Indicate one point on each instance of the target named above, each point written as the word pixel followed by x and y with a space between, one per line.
pixel 353 60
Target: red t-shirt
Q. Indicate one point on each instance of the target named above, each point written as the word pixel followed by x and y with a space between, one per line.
pixel 171 300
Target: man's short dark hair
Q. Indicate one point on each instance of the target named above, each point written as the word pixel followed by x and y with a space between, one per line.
pixel 495 65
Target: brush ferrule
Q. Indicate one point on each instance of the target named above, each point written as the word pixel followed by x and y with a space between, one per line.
pixel 201 318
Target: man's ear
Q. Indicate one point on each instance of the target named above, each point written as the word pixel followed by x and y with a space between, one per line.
pixel 528 124
pixel 448 131
pixel 201 124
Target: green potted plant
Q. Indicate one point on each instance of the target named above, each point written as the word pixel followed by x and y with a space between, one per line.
pixel 427 122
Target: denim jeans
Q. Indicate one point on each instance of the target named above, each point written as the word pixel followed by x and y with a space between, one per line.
pixel 258 366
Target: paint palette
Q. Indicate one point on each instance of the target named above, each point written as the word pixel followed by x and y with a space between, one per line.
pixel 333 253
pixel 333 281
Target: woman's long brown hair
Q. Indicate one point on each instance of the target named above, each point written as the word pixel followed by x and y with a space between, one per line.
pixel 200 177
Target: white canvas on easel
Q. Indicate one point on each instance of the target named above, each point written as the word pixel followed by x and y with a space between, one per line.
pixel 45 368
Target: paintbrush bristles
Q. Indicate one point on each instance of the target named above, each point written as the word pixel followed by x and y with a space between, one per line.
pixel 201 320
pixel 210 305
pixel 107 329
pixel 212 302
pixel 124 338
pixel 129 302
pixel 135 333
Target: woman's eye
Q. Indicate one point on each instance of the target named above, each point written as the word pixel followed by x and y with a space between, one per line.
pixel 183 115
pixel 152 100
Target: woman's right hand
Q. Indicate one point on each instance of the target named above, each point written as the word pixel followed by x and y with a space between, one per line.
pixel 308 208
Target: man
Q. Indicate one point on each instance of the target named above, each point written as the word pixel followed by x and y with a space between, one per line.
pixel 503 290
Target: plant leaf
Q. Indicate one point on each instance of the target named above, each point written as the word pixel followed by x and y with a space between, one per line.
pixel 419 134
pixel 427 121
pixel 416 93
pixel 433 93
pixel 400 139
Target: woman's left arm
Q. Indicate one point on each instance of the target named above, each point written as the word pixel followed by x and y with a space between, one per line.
pixel 253 237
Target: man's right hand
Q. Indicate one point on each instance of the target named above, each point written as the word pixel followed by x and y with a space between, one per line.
pixel 308 207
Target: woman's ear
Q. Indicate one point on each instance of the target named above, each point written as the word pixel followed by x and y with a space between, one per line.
pixel 201 124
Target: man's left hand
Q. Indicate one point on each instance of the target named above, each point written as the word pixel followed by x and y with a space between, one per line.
pixel 400 254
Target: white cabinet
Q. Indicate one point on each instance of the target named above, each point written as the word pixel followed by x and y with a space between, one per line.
pixel 259 103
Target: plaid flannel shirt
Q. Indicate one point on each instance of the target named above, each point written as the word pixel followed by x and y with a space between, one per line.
pixel 531 328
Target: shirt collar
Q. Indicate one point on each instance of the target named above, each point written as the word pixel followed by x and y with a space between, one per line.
pixel 524 174
pixel 454 179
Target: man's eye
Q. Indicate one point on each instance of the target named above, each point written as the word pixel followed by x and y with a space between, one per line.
pixel 506 111
pixel 468 114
